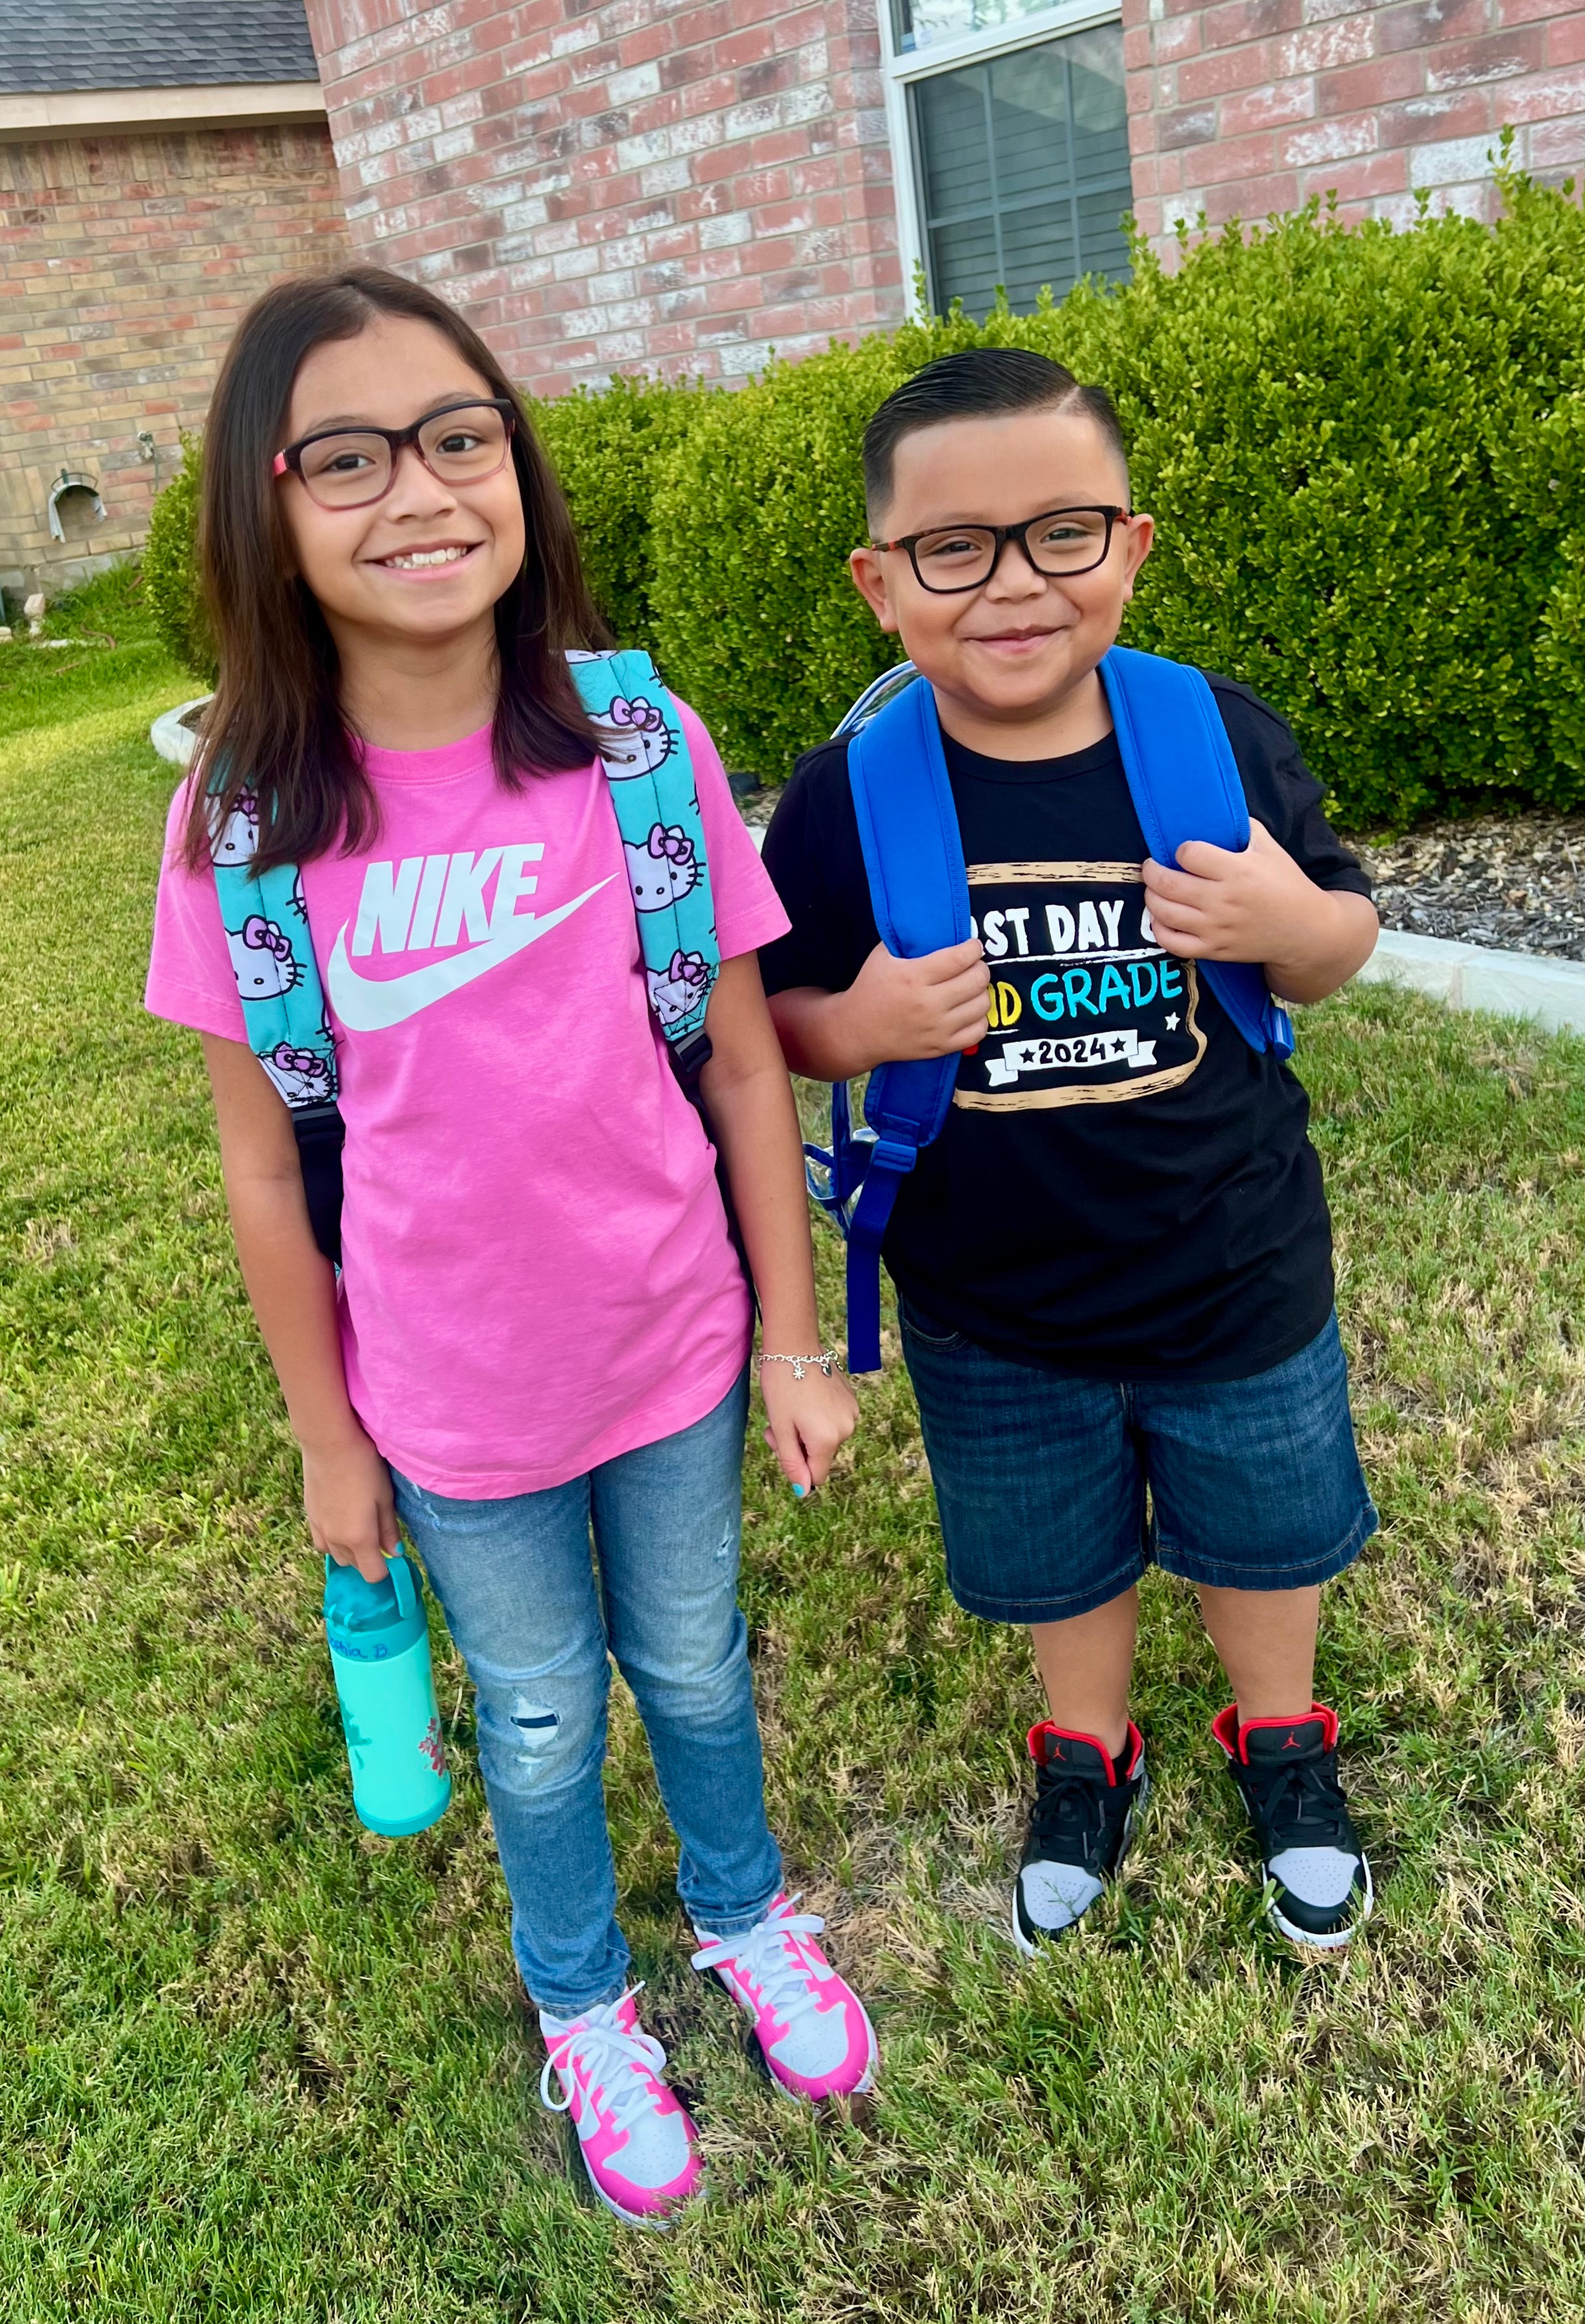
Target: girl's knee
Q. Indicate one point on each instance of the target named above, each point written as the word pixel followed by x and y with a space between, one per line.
pixel 529 1744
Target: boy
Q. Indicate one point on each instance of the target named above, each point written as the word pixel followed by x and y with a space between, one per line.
pixel 1113 1268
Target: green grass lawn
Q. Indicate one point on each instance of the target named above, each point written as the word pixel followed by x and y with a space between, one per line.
pixel 260 2064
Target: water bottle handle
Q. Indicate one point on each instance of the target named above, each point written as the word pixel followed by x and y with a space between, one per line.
pixel 401 1581
pixel 401 1575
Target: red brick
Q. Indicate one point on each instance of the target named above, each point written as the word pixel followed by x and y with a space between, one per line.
pixel 1265 108
pixel 1502 56
pixel 1381 80
pixel 1217 72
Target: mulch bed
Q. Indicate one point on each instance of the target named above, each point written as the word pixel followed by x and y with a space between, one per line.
pixel 1515 883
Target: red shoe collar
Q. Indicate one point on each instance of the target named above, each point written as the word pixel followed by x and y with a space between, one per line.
pixel 1228 1733
pixel 1047 1728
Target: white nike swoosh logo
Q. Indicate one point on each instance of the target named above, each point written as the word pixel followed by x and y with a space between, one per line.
pixel 368 1005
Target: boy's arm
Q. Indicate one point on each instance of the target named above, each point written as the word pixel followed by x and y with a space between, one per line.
pixel 893 1009
pixel 1261 905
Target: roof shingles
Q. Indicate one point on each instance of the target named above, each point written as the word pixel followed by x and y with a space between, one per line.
pixel 82 44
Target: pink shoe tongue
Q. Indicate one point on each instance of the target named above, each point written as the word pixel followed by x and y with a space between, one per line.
pixel 1285 1740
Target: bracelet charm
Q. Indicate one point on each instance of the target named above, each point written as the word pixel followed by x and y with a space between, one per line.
pixel 826 1362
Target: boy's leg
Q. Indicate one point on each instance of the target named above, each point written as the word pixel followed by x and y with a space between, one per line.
pixel 1086 1666
pixel 1040 1488
pixel 1259 1498
pixel 1265 1640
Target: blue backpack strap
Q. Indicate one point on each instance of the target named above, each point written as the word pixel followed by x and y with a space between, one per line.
pixel 653 791
pixel 1186 785
pixel 914 857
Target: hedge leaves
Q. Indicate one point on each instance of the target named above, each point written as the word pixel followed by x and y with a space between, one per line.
pixel 1365 451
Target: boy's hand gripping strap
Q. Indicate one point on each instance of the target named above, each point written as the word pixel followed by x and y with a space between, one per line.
pixel 645 754
pixel 1186 785
pixel 919 888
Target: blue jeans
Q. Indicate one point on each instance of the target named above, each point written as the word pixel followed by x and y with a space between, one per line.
pixel 537 1628
pixel 1041 1479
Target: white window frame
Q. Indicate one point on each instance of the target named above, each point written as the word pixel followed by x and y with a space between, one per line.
pixel 901 67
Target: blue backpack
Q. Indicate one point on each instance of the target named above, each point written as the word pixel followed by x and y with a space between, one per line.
pixel 1185 784
pixel 645 754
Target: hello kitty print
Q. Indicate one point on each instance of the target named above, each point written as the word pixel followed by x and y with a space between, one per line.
pixel 266 924
pixel 650 782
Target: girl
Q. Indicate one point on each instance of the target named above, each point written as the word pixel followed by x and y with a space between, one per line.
pixel 540 1326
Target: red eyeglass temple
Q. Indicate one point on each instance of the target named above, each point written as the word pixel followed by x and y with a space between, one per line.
pixel 278 467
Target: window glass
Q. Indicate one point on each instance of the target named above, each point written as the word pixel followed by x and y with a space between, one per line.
pixel 920 23
pixel 1023 168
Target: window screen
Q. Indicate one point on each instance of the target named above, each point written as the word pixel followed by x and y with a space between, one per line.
pixel 1023 168
pixel 917 24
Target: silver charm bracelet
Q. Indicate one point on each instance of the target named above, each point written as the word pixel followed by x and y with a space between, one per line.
pixel 826 1362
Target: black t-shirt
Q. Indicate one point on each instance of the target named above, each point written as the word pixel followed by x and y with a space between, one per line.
pixel 1123 1189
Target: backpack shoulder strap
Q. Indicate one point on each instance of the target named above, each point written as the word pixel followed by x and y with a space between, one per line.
pixel 266 924
pixel 283 1014
pixel 654 793
pixel 919 889
pixel 1186 785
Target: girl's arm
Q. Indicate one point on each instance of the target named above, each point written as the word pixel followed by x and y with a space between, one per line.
pixel 755 1122
pixel 347 1486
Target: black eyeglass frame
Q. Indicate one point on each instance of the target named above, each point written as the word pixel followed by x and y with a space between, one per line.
pixel 398 439
pixel 1001 535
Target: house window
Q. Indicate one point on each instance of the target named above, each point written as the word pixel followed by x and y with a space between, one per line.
pixel 1017 148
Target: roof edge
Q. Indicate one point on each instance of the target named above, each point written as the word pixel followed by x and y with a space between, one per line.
pixel 38 113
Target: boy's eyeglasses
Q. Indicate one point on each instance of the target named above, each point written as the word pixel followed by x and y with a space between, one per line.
pixel 964 556
pixel 348 467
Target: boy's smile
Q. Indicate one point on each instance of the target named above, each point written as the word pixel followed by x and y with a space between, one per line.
pixel 1013 662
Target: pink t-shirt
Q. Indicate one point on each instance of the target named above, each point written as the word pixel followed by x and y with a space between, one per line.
pixel 535 1269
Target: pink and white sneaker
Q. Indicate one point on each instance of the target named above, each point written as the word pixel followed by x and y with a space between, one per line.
pixel 636 2137
pixel 810 2025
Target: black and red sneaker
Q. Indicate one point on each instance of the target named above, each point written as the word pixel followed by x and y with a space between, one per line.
pixel 1318 1887
pixel 1080 1827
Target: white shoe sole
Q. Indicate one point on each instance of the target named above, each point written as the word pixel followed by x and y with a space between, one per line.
pixel 1032 1948
pixel 1335 1939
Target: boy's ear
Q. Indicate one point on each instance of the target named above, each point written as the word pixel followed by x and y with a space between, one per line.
pixel 1141 538
pixel 869 580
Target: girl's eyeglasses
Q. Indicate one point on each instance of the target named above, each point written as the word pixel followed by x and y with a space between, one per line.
pixel 349 467
pixel 965 556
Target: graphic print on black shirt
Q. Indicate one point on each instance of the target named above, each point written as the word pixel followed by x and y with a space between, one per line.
pixel 1096 1010
pixel 1124 1189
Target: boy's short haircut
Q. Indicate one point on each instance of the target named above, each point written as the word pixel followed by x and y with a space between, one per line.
pixel 979 383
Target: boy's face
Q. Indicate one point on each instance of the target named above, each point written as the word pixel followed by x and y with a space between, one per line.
pixel 1015 649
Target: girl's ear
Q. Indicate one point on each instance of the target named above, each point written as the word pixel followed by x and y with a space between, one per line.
pixel 869 580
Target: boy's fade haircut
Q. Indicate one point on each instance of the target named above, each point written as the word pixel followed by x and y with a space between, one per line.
pixel 979 383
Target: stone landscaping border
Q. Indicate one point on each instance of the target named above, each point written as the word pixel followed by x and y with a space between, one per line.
pixel 1471 976
pixel 1463 976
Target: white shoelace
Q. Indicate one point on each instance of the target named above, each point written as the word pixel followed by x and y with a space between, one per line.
pixel 763 1957
pixel 606 2049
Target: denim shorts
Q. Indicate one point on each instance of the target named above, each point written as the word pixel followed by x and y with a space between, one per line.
pixel 1041 1479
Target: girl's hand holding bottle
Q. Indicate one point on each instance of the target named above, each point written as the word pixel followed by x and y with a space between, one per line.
pixel 348 1502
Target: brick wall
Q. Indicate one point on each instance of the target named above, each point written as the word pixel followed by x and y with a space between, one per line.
pixel 124 263
pixel 622 186
pixel 1239 107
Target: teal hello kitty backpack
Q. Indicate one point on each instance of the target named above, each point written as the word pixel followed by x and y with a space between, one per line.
pixel 644 752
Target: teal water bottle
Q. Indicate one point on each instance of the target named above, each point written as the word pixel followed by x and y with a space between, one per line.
pixel 380 1653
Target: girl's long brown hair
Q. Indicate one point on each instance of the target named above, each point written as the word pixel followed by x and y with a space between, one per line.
pixel 275 727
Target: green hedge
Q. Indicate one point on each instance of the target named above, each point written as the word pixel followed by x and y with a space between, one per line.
pixel 170 569
pixel 1365 450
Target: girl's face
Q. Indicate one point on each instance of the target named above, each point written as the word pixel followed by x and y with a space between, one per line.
pixel 357 561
